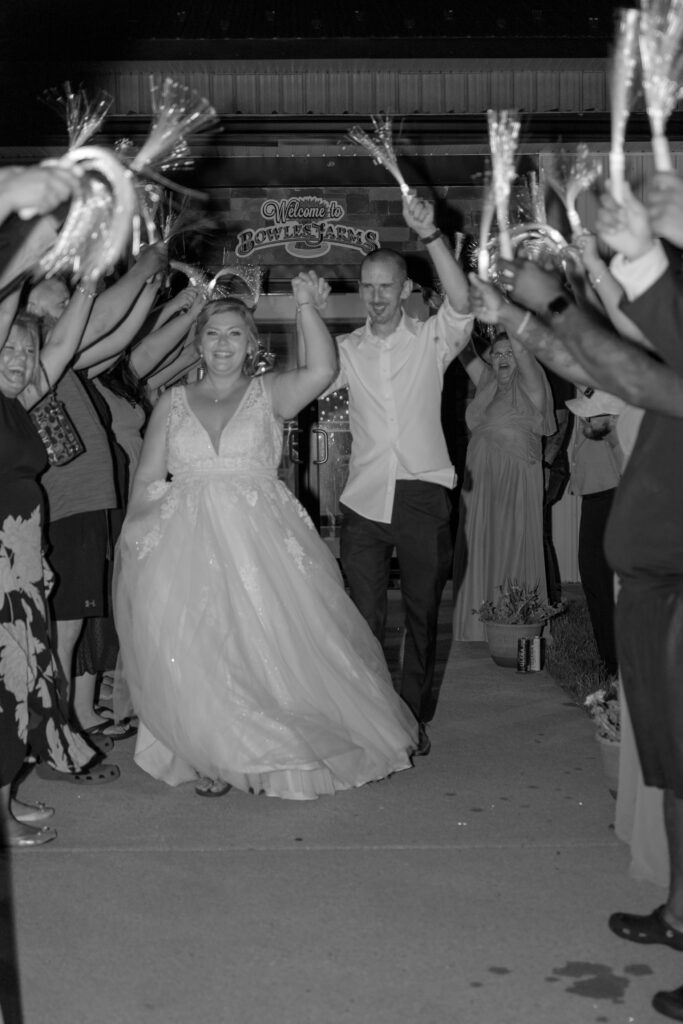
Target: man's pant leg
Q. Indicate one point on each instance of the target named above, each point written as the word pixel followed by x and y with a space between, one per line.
pixel 365 551
pixel 597 577
pixel 424 546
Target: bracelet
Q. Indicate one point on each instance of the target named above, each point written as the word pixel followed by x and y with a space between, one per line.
pixel 523 324
pixel 431 238
pixel 84 291
pixel 299 305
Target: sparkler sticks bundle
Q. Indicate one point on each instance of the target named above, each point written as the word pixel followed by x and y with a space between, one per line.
pixel 381 148
pixel 624 65
pixel 503 137
pixel 83 116
pixel 196 276
pixel 177 112
pixel 661 38
pixel 250 273
pixel 573 176
pixel 487 215
pixel 119 191
pixel 97 226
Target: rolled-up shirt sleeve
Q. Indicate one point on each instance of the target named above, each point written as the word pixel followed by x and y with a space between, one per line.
pixel 450 330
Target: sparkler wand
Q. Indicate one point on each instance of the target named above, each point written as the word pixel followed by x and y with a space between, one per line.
pixel 624 65
pixel 504 129
pixel 83 117
pixel 487 214
pixel 574 178
pixel 660 38
pixel 380 147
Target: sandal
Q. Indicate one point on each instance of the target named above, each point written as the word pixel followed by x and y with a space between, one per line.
pixel 117 731
pixel 31 837
pixel 98 773
pixel 98 738
pixel 28 813
pixel 647 928
pixel 212 787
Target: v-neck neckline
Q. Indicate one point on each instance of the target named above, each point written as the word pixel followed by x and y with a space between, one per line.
pixel 217 451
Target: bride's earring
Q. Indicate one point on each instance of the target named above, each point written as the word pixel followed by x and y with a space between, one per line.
pixel 258 361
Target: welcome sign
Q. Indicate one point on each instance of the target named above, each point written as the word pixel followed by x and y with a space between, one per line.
pixel 306 226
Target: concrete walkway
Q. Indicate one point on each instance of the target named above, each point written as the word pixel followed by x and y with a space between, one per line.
pixel 473 889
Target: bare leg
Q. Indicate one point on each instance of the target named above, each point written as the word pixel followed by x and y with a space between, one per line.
pixel 83 700
pixel 673 822
pixel 67 633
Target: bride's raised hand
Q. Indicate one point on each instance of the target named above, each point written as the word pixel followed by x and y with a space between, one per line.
pixel 305 288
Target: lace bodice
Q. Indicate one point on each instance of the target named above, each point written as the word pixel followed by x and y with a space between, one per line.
pixel 251 441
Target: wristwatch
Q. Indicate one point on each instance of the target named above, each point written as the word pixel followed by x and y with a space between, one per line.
pixel 558 305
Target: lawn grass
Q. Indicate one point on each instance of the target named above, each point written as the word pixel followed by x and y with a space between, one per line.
pixel 572 656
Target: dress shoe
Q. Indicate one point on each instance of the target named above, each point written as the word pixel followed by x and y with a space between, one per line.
pixel 424 744
pixel 29 813
pixel 34 837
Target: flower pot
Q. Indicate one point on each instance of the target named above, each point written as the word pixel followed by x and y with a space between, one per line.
pixel 502 639
pixel 609 754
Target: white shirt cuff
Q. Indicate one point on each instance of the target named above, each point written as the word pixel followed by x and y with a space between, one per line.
pixel 637 276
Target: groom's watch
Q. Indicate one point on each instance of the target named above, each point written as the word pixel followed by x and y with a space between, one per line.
pixel 558 305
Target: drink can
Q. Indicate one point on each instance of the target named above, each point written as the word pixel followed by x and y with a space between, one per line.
pixel 522 654
pixel 535 663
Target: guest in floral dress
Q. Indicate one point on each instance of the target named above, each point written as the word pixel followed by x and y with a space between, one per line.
pixel 33 713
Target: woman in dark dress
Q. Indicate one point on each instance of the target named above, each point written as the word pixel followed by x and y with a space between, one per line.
pixel 33 714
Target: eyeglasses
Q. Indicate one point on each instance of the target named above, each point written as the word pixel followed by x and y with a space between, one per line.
pixel 508 354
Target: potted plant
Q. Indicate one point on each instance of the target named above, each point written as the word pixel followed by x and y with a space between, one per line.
pixel 603 707
pixel 519 611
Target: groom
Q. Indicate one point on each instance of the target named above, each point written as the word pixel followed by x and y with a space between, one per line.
pixel 400 474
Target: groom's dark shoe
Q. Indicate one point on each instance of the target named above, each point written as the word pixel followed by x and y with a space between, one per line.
pixel 424 744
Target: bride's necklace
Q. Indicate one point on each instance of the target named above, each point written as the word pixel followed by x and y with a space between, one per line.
pixel 216 397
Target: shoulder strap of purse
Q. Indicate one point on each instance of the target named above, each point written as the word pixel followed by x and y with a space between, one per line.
pixel 43 374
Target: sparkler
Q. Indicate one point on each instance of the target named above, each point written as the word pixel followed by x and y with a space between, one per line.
pixel 98 223
pixel 660 37
pixel 250 273
pixel 573 177
pixel 622 76
pixel 83 117
pixel 381 148
pixel 504 129
pixel 177 112
pixel 487 214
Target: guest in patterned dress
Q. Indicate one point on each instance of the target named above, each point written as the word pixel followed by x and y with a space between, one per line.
pixel 33 712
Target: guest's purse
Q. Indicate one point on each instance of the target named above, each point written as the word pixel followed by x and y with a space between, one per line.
pixel 55 427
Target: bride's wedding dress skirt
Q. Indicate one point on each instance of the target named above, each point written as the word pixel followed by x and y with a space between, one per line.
pixel 246 659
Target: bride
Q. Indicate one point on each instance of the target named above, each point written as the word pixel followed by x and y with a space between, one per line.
pixel 248 664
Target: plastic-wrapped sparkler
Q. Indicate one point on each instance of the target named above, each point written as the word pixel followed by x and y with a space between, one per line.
pixel 196 276
pixel 251 274
pixel 83 116
pixel 487 214
pixel 504 128
pixel 177 112
pixel 98 224
pixel 573 176
pixel 624 64
pixel 660 37
pixel 381 148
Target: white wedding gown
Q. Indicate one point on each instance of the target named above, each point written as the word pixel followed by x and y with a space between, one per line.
pixel 246 659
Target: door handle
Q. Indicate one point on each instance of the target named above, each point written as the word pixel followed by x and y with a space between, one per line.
pixel 321 435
